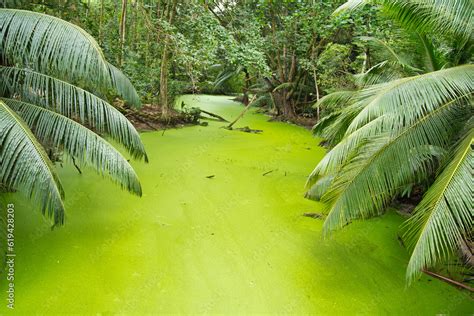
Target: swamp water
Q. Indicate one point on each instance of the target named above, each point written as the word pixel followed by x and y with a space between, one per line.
pixel 233 243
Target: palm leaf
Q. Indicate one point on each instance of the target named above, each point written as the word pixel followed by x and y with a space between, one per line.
pixel 412 97
pixel 335 100
pixel 25 165
pixel 432 62
pixel 123 86
pixel 318 189
pixel 225 75
pixel 380 73
pixel 366 183
pixel 378 43
pixel 350 5
pixel 73 102
pixel 284 85
pixel 82 144
pixel 390 107
pixel 443 219
pixel 53 46
pixel 344 149
pixel 325 122
pixel 393 67
pixel 334 127
pixel 448 17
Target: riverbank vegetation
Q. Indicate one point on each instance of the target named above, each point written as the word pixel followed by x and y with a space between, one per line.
pixel 408 127
pixel 387 84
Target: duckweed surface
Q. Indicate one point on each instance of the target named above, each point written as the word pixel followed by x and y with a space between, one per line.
pixel 219 229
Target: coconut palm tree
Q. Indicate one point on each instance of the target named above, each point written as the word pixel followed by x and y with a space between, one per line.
pixel 54 82
pixel 416 128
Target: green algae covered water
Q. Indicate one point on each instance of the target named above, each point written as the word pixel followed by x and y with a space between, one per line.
pixel 219 229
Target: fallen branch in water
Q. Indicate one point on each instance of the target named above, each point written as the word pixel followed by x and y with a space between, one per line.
pixel 313 215
pixel 448 280
pixel 144 122
pixel 220 118
pixel 267 172
pixel 241 113
pixel 75 165
pixel 247 129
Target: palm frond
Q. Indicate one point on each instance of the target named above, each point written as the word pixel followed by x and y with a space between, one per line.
pixel 80 143
pixel 333 128
pixel 394 66
pixel 328 120
pixel 53 46
pixel 390 107
pixel 344 149
pixel 392 55
pixel 350 5
pixel 225 75
pixel 123 86
pixel 443 219
pixel 412 97
pixel 26 166
pixel 448 17
pixel 335 100
pixel 382 72
pixel 432 62
pixel 366 183
pixel 284 85
pixel 318 189
pixel 73 102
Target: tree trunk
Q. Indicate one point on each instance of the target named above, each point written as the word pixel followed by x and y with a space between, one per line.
pixel 316 86
pixel 246 89
pixel 366 62
pixel 283 105
pixel 241 113
pixel 123 21
pixel 164 102
pixel 101 22
pixel 164 82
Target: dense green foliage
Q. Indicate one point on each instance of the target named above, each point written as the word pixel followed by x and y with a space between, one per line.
pixel 289 53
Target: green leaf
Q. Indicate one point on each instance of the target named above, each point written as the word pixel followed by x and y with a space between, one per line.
pixel 350 5
pixel 443 219
pixel 26 167
pixel 335 100
pixel 61 49
pixel 410 98
pixel 387 161
pixel 284 85
pixel 123 86
pixel 447 17
pixel 73 102
pixel 82 144
pixel 318 189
